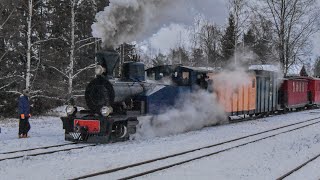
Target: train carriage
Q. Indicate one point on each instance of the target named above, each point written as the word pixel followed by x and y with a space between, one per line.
pixel 267 92
pixel 294 93
pixel 314 90
pixel 236 100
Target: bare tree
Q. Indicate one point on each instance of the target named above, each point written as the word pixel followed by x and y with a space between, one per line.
pixel 209 39
pixel 205 38
pixel 294 22
pixel 240 12
pixel 76 44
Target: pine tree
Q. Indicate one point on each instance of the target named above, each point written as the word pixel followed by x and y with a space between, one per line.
pixel 159 60
pixel 179 56
pixel 303 71
pixel 197 57
pixel 249 39
pixel 228 40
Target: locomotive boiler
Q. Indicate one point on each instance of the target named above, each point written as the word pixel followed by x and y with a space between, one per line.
pixel 113 103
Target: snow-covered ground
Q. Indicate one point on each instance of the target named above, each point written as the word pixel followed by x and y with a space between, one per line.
pixel 266 159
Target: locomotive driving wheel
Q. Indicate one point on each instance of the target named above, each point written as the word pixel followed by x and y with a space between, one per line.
pixel 120 130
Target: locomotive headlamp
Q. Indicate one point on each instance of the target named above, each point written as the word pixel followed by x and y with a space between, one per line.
pixel 70 110
pixel 99 70
pixel 105 110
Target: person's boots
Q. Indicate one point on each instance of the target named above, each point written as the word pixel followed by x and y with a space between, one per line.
pixel 20 136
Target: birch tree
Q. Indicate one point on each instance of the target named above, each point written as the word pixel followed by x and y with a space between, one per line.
pixel 79 39
pixel 29 43
pixel 294 22
pixel 205 41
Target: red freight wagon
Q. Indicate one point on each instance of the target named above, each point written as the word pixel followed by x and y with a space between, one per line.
pixel 294 92
pixel 314 89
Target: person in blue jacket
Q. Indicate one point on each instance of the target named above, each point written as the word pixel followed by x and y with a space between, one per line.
pixel 24 111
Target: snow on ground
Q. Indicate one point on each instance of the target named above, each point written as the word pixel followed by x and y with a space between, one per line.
pixel 45 131
pixel 312 168
pixel 266 159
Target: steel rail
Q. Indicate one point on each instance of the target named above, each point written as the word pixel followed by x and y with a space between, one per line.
pixel 48 152
pixel 192 150
pixel 298 168
pixel 43 147
pixel 211 154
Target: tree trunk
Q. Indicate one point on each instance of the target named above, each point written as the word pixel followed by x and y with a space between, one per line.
pixel 29 21
pixel 72 48
pixel 95 10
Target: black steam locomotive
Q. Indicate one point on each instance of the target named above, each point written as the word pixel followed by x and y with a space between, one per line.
pixel 112 104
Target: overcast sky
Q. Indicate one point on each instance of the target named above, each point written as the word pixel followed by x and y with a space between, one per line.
pixel 217 12
pixel 174 34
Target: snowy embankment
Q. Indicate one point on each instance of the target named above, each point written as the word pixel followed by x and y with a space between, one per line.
pixel 267 159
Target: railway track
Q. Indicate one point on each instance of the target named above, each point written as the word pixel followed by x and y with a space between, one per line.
pixel 159 160
pixel 45 152
pixel 32 149
pixel 298 168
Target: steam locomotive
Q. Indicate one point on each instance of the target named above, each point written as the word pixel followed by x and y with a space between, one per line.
pixel 114 104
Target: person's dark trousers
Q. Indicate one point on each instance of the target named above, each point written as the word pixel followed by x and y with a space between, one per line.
pixel 24 126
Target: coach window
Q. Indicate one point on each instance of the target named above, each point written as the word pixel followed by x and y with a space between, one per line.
pixel 297 87
pixel 300 87
pixel 293 87
pixel 152 76
pixel 185 78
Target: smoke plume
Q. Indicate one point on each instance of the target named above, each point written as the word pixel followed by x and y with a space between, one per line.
pixel 197 110
pixel 135 20
pixel 192 112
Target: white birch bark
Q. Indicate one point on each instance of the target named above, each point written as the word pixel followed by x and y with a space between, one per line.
pixel 95 9
pixel 72 48
pixel 29 22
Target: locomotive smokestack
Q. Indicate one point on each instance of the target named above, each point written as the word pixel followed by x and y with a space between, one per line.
pixel 108 59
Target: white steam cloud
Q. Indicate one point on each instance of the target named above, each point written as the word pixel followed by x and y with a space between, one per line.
pixel 136 20
pixel 192 112
pixel 197 110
